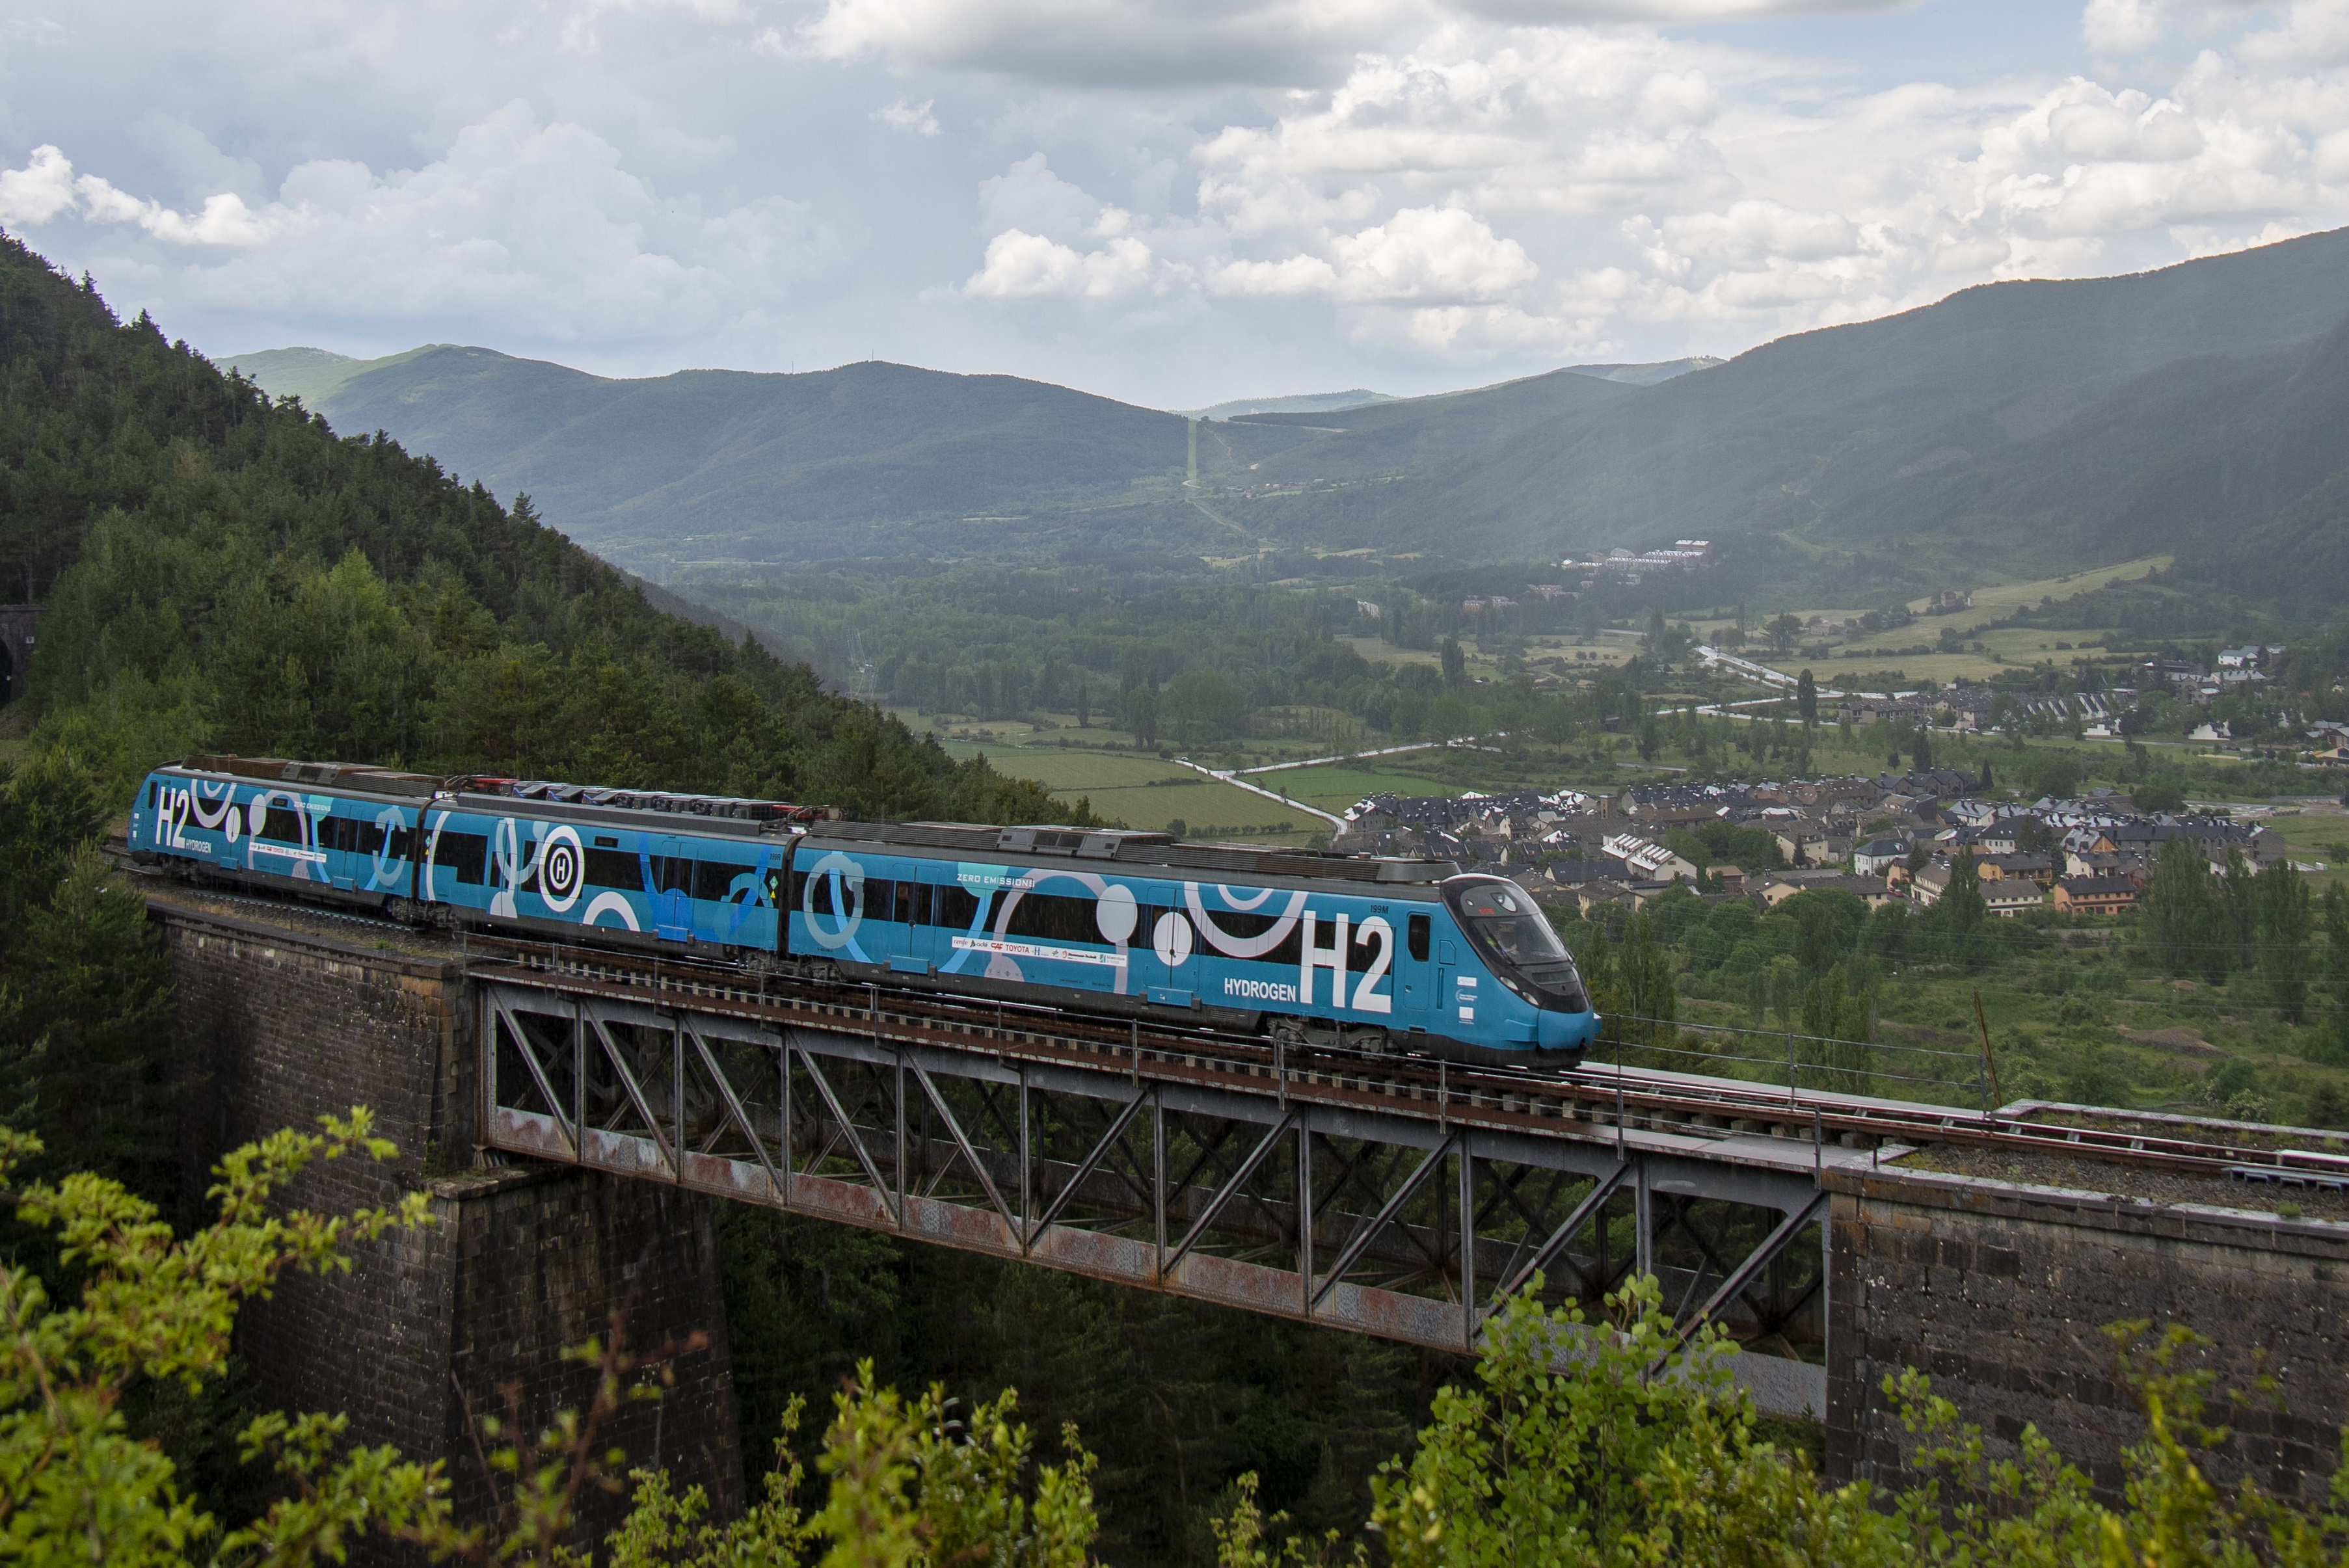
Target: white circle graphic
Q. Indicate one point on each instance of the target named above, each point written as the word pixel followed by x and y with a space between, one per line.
pixel 562 870
pixel 1171 939
pixel 1114 914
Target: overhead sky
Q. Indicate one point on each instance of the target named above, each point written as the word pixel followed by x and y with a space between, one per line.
pixel 1172 201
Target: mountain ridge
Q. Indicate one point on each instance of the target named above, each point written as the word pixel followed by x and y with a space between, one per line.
pixel 1850 438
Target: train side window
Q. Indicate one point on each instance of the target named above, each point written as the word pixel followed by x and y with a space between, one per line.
pixel 1416 938
pixel 282 825
pixel 1145 923
pixel 1290 948
pixel 673 873
pixel 913 899
pixel 880 898
pixel 714 880
pixel 848 895
pixel 1055 918
pixel 459 852
pixel 957 907
pixel 615 868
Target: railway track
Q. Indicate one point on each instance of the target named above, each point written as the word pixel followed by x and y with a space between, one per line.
pixel 1598 1095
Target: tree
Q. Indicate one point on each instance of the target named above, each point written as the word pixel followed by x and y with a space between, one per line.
pixel 1784 632
pixel 1806 697
pixel 2286 918
pixel 909 1483
pixel 1645 966
pixel 1961 905
pixel 2179 920
pixel 1203 705
pixel 1142 716
pixel 1455 664
pixel 1924 754
pixel 85 1030
pixel 2336 969
pixel 73 1480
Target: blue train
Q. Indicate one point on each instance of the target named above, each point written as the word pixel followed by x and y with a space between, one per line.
pixel 1323 949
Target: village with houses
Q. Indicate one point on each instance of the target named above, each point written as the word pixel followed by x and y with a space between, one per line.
pixel 1894 838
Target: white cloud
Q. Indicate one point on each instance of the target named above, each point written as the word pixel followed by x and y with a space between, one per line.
pixel 1021 265
pixel 518 224
pixel 2123 26
pixel 1429 253
pixel 915 119
pixel 38 191
pixel 1643 183
pixel 1167 199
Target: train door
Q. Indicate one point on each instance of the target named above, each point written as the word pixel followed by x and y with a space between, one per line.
pixel 1447 964
pixel 932 938
pixel 672 890
pixel 1158 954
pixel 1414 982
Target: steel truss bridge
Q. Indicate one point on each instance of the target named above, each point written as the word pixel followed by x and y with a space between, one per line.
pixel 1393 1196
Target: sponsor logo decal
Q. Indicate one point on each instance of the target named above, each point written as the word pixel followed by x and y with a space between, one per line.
pixel 309 857
pixel 1038 950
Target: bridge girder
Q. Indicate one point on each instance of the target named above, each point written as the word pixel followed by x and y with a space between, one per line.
pixel 1283 1195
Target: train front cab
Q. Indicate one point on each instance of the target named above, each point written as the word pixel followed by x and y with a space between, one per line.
pixel 1544 1010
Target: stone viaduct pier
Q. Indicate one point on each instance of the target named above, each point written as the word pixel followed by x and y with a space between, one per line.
pixel 575 1115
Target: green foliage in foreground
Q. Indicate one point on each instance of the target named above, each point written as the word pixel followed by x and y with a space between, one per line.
pixel 1599 1443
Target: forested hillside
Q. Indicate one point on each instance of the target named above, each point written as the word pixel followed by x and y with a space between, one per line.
pixel 1827 433
pixel 222 570
pixel 869 459
pixel 2044 427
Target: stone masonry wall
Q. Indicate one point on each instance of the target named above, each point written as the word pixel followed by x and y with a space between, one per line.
pixel 1998 1293
pixel 428 1329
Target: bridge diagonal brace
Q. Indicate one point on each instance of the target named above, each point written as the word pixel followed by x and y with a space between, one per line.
pixel 1567 1229
pixel 613 1054
pixel 1353 1251
pixel 734 1108
pixel 1060 1199
pixel 962 1141
pixel 1228 1190
pixel 529 1055
pixel 1755 1262
pixel 848 1133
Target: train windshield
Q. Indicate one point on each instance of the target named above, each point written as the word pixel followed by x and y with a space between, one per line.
pixel 1514 937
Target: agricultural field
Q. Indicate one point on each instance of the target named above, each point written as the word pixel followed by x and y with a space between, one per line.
pixel 1141 791
pixel 2003 647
